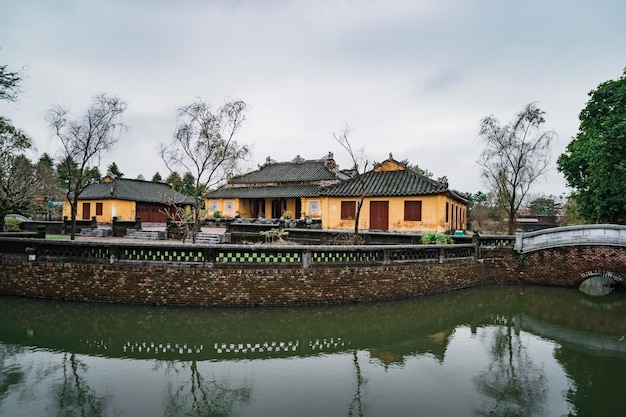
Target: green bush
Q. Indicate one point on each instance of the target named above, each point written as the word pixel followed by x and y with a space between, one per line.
pixel 12 224
pixel 437 238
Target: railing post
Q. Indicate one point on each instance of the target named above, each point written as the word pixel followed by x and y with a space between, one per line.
pixel 386 256
pixel 476 243
pixel 442 254
pixel 518 241
pixel 306 258
pixel 114 250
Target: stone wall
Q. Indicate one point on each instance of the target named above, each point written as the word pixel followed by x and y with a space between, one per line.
pixel 180 285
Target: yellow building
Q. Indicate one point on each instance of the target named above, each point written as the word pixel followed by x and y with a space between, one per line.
pixel 127 199
pixel 395 198
pixel 274 188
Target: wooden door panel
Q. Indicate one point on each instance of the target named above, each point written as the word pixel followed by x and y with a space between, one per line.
pixel 379 215
pixel 86 211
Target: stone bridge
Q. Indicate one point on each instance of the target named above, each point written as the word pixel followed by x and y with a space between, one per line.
pixel 567 256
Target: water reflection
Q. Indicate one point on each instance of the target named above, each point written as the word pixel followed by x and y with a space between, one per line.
pixel 524 351
pixel 513 384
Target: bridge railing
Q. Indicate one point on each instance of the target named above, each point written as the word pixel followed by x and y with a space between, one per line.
pixel 589 234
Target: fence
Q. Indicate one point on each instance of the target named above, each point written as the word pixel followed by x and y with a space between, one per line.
pixel 244 256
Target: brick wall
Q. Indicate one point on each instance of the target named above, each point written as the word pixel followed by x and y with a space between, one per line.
pixel 172 285
pixel 142 283
pixel 566 266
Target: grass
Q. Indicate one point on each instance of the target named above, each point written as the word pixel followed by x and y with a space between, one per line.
pixel 57 237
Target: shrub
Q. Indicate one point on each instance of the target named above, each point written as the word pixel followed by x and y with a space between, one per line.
pixel 287 214
pixel 437 238
pixel 12 224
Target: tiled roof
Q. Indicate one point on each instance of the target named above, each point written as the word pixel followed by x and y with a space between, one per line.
pixel 135 190
pixel 285 172
pixel 386 184
pixel 285 191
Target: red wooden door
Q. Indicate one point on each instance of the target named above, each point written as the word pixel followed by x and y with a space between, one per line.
pixel 86 211
pixel 379 215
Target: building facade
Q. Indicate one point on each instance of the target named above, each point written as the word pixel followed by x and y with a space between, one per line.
pixel 274 188
pixel 394 198
pixel 128 199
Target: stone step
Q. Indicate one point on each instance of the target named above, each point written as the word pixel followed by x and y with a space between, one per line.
pixel 148 235
pixel 96 232
pixel 210 238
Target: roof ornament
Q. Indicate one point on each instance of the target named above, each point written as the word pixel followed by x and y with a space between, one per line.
pixel 329 162
pixel 443 181
pixel 298 159
pixel 268 161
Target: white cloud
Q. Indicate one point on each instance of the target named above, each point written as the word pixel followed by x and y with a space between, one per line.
pixel 409 77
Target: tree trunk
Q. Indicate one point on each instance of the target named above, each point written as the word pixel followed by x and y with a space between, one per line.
pixel 74 207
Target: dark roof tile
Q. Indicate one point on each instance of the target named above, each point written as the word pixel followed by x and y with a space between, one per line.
pixel 386 184
pixel 135 190
pixel 285 172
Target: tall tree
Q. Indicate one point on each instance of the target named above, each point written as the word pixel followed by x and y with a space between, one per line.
pixel 114 170
pixel 18 186
pixel 514 157
pixel 594 163
pixel 47 187
pixel 189 183
pixel 13 141
pixel 359 166
pixel 204 144
pixel 46 160
pixel 175 181
pixel 84 141
pixel 156 177
pixel 544 206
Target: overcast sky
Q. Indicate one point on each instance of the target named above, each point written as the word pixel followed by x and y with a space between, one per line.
pixel 409 77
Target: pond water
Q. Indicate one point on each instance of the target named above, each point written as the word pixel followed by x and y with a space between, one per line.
pixel 491 351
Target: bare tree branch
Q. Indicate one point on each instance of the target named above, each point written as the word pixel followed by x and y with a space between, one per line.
pixel 85 140
pixel 514 157
pixel 204 144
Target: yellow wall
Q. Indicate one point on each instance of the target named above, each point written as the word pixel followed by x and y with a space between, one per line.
pixel 124 210
pixel 433 214
pixel 243 207
pixel 227 207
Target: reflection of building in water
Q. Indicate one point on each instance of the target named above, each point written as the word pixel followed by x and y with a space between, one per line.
pixel 434 344
pixel 269 347
pixel 219 349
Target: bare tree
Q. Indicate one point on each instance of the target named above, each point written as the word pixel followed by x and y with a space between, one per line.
pixel 204 145
pixel 359 165
pixel 84 141
pixel 515 156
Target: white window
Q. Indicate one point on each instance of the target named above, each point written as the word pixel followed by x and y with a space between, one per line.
pixel 314 206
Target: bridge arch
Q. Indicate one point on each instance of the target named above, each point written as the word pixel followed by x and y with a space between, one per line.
pixel 567 256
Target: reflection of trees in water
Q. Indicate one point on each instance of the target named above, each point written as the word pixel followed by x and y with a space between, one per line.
pixel 199 396
pixel 75 397
pixel 513 384
pixel 356 405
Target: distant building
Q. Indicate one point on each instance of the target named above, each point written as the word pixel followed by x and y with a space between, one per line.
pixel 275 187
pixel 127 199
pixel 396 198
